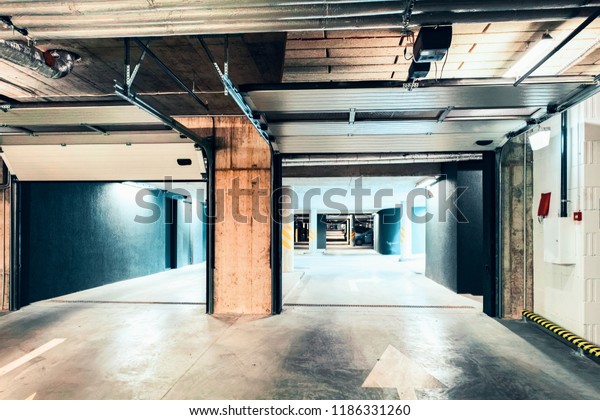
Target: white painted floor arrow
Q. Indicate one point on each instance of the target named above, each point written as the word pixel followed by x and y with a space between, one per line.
pixel 396 370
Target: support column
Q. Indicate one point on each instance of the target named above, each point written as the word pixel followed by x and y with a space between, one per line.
pixel 287 241
pixel 312 231
pixel 386 238
pixel 351 234
pixel 5 238
pixel 322 231
pixel 242 248
pixel 517 228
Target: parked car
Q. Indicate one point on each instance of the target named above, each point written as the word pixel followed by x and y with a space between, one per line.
pixel 364 238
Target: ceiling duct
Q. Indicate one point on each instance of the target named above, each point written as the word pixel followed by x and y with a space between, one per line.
pixel 53 64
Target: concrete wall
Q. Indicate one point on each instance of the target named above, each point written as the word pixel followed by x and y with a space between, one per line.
pixel 82 235
pixel 569 295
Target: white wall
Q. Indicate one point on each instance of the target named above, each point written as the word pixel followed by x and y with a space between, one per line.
pixel 569 295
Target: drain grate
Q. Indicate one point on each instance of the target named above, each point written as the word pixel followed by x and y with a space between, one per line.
pixel 126 302
pixel 346 305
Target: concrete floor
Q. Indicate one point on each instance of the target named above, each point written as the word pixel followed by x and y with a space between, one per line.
pixel 163 351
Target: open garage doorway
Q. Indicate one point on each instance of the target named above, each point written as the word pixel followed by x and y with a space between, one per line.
pixel 94 235
pixel 421 240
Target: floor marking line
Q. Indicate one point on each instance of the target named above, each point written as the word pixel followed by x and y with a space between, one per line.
pixel 358 305
pixel 31 355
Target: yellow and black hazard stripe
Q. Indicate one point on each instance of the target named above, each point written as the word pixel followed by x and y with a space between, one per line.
pixel 589 349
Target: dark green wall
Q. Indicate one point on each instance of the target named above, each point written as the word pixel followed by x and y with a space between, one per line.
pixel 454 250
pixel 470 235
pixel 79 235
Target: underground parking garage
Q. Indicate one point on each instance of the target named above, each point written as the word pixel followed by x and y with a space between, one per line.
pixel 300 200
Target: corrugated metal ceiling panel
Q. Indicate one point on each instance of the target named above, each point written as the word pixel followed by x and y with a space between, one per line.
pixel 93 115
pixel 311 128
pixel 94 139
pixel 382 144
pixel 378 99
pixel 103 162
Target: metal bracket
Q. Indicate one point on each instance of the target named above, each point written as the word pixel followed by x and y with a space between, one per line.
pixel 410 85
pixel 95 128
pixel 146 51
pixel 235 94
pixel 21 129
pixel 130 97
pixel 444 114
pixel 129 78
pixel 352 117
pixel 9 23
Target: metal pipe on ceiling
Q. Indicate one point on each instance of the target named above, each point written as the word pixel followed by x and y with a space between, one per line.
pixel 236 18
pixel 78 8
pixel 302 12
pixel 41 8
pixel 464 6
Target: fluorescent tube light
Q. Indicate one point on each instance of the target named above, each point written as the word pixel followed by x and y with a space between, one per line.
pixel 531 57
pixel 540 139
pixel 427 182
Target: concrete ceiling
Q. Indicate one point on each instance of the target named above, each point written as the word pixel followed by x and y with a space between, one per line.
pixel 253 58
pixel 477 50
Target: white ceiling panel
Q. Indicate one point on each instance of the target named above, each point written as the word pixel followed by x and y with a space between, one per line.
pixel 104 162
pixel 94 139
pixel 317 128
pixel 388 143
pixel 92 115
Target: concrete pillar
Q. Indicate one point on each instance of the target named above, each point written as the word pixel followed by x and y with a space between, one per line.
pixel 517 230
pixel 312 231
pixel 287 231
pixel 386 238
pixel 322 231
pixel 242 272
pixel 351 234
pixel 5 237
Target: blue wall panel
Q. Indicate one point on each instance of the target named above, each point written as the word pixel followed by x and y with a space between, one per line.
pixel 79 235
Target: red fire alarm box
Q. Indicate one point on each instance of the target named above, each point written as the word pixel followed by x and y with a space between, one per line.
pixel 544 207
pixel 578 216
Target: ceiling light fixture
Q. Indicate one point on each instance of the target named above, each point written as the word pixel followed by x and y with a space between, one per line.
pixel 427 181
pixel 533 55
pixel 540 139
